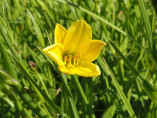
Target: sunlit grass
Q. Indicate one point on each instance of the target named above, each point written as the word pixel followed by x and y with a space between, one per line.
pixel 127 84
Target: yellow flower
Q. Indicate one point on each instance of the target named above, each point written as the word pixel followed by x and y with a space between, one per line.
pixel 74 50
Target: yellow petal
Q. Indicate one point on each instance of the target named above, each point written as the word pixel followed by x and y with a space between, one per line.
pixel 55 52
pixel 78 38
pixel 93 51
pixel 86 69
pixel 60 33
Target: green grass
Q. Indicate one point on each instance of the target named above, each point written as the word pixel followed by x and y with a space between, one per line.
pixel 127 84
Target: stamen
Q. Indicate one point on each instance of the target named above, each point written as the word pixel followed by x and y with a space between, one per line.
pixel 77 60
pixel 72 60
pixel 80 57
pixel 65 59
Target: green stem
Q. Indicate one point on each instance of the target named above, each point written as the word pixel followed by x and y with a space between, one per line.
pixel 83 96
pixel 81 90
pixel 70 97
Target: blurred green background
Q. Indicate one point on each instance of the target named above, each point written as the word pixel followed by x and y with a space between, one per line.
pixel 30 83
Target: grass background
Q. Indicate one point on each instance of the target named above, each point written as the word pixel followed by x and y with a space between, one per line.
pixel 30 83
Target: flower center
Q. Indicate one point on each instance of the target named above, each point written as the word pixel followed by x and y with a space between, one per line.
pixel 72 60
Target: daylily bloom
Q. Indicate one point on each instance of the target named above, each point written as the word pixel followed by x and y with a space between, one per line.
pixel 74 50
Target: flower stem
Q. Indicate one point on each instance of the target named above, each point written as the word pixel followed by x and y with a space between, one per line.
pixel 69 95
pixel 84 96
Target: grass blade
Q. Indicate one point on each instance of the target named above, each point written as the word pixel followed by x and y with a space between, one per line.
pixel 151 91
pixel 122 95
pixel 93 15
pixel 146 22
pixel 7 79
